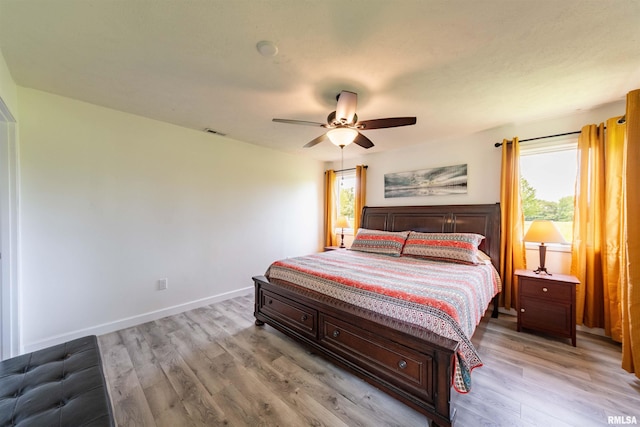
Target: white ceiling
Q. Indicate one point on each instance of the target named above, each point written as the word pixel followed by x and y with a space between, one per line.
pixel 458 66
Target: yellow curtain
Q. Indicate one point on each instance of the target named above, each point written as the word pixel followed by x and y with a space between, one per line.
pixel 606 247
pixel 586 250
pixel 512 255
pixel 329 208
pixel 360 196
pixel 613 232
pixel 630 284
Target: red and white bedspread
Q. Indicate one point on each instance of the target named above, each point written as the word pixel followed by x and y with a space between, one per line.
pixel 446 298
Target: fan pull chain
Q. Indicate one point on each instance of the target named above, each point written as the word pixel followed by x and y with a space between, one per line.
pixel 342 166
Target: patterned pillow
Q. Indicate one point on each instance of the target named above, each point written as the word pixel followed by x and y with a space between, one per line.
pixel 379 242
pixel 483 258
pixel 456 247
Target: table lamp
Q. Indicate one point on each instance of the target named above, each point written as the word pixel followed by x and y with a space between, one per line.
pixel 342 223
pixel 543 231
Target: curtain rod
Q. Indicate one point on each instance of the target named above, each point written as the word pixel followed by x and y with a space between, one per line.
pixel 350 169
pixel 621 120
pixel 498 144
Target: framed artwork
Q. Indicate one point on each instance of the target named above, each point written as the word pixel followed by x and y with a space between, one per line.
pixel 427 182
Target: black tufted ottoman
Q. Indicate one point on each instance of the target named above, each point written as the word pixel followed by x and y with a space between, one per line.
pixel 63 385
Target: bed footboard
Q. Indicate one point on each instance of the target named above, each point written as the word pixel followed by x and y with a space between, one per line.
pixel 411 364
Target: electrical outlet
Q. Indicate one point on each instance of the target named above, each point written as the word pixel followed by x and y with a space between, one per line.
pixel 163 284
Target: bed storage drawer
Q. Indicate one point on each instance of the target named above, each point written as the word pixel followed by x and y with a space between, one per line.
pixel 298 317
pixel 406 368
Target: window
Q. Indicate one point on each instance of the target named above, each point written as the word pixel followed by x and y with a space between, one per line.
pixel 346 185
pixel 547 183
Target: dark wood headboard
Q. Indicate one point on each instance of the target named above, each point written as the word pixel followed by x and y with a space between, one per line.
pixel 480 219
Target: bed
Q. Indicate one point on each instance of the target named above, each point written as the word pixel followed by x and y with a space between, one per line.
pixel 386 343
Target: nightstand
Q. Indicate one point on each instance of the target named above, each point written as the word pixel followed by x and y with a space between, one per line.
pixel 547 303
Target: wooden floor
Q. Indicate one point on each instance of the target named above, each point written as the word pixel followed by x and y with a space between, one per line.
pixel 212 366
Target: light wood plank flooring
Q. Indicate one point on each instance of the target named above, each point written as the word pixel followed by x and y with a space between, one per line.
pixel 212 367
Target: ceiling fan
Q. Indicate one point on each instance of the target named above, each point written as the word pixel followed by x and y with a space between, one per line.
pixel 344 127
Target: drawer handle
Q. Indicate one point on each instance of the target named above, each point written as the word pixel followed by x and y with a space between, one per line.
pixel 304 318
pixel 402 364
pixel 336 333
pixel 544 289
pixel 270 301
pixel 522 310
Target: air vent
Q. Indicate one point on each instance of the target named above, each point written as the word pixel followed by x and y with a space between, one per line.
pixel 215 132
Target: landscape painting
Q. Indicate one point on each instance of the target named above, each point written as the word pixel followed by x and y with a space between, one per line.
pixel 427 182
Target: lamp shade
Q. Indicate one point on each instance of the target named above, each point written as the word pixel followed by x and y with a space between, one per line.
pixel 544 231
pixel 342 136
pixel 342 222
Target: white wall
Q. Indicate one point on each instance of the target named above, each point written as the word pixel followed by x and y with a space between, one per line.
pixel 478 153
pixel 112 202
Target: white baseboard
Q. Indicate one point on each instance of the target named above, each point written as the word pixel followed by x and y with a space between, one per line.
pixel 128 322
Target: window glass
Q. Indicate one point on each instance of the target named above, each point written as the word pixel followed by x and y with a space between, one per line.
pixel 547 184
pixel 346 183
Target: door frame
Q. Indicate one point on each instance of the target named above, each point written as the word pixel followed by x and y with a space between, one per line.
pixel 9 278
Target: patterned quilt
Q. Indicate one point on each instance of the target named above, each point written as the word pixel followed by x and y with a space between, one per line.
pixel 446 298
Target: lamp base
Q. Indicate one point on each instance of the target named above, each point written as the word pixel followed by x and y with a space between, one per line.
pixel 543 254
pixel 342 246
pixel 542 270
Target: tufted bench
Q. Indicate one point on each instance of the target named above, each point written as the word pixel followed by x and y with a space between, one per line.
pixel 63 385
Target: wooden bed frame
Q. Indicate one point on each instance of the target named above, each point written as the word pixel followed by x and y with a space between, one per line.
pixel 407 362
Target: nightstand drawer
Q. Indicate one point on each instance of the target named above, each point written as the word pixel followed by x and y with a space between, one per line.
pixel 545 289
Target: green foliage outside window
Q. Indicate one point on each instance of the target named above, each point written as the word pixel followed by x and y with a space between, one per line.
pixel 534 208
pixel 347 201
pixel 561 211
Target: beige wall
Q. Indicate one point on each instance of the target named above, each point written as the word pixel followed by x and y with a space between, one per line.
pixel 112 202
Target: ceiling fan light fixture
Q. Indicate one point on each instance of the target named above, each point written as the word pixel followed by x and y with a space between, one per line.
pixel 343 124
pixel 342 136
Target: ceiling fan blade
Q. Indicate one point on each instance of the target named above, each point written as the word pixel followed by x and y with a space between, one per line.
pixel 316 141
pixel 346 109
pixel 391 122
pixel 299 122
pixel 363 141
